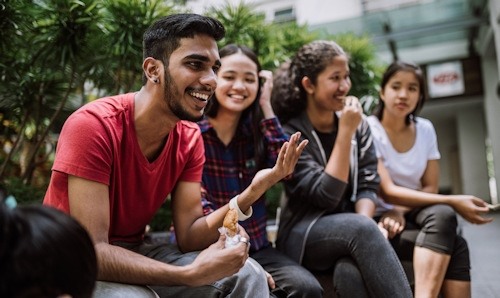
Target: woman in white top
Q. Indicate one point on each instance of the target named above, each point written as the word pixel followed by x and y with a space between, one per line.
pixel 421 224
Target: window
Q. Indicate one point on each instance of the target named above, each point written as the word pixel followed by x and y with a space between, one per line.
pixel 284 15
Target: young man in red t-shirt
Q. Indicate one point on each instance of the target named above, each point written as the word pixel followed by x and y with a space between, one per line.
pixel 119 157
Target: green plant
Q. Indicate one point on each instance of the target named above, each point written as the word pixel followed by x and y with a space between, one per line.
pixel 273 43
pixel 123 23
pixel 60 54
pixel 23 193
pixel 365 69
pixel 273 200
pixel 37 81
pixel 56 56
pixel 163 218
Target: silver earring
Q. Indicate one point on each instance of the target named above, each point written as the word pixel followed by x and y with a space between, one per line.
pixel 156 81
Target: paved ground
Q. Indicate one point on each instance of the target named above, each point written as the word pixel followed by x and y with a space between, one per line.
pixel 484 246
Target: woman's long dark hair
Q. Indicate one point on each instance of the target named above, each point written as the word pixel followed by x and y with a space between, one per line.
pixel 388 74
pixel 253 113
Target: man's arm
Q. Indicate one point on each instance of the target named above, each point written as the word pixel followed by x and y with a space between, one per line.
pixel 89 204
pixel 193 231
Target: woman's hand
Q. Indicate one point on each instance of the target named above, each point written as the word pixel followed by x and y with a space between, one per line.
pixel 393 221
pixel 265 178
pixel 352 114
pixel 265 93
pixel 471 208
pixel 285 163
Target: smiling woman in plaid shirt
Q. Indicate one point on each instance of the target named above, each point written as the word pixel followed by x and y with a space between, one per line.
pixel 242 136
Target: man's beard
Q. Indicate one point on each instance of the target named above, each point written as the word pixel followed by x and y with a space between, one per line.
pixel 173 100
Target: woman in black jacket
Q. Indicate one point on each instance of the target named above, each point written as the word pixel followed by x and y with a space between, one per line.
pixel 327 223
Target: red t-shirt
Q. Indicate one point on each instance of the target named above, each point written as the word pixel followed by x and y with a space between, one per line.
pixel 98 142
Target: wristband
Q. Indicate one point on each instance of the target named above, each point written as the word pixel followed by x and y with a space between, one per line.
pixel 233 204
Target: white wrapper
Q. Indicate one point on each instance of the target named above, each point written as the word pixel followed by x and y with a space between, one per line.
pixel 230 241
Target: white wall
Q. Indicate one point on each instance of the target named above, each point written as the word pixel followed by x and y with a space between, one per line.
pixel 315 12
pixel 492 112
pixel 494 23
pixel 306 11
pixel 471 141
pixel 200 6
pixel 270 7
pixel 449 163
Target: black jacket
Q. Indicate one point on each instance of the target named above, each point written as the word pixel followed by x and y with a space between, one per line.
pixel 311 192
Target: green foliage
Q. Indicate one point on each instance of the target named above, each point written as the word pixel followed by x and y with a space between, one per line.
pixel 24 193
pixel 243 25
pixel 53 57
pixel 365 69
pixel 37 80
pixel 162 220
pixel 61 30
pixel 273 197
pixel 123 24
pixel 273 43
pixel 60 54
pixel 287 38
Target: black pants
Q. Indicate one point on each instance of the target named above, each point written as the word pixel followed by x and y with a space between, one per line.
pixel 435 227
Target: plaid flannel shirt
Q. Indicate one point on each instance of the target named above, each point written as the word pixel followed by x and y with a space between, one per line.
pixel 230 169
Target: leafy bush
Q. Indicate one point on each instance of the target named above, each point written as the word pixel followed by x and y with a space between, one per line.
pixel 23 193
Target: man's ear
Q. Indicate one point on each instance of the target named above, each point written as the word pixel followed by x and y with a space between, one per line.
pixel 307 84
pixel 152 69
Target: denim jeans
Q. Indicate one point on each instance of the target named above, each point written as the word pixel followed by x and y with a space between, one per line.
pixel 249 282
pixel 292 280
pixel 105 289
pixel 362 253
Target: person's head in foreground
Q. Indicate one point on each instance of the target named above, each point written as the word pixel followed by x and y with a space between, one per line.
pixel 44 253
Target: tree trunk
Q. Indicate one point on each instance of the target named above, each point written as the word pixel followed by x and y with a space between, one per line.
pixel 19 137
pixel 31 164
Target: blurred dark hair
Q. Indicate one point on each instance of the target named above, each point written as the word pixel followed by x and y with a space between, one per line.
pixel 389 73
pixel 44 253
pixel 289 97
pixel 163 36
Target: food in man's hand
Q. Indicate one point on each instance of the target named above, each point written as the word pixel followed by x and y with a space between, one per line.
pixel 231 222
